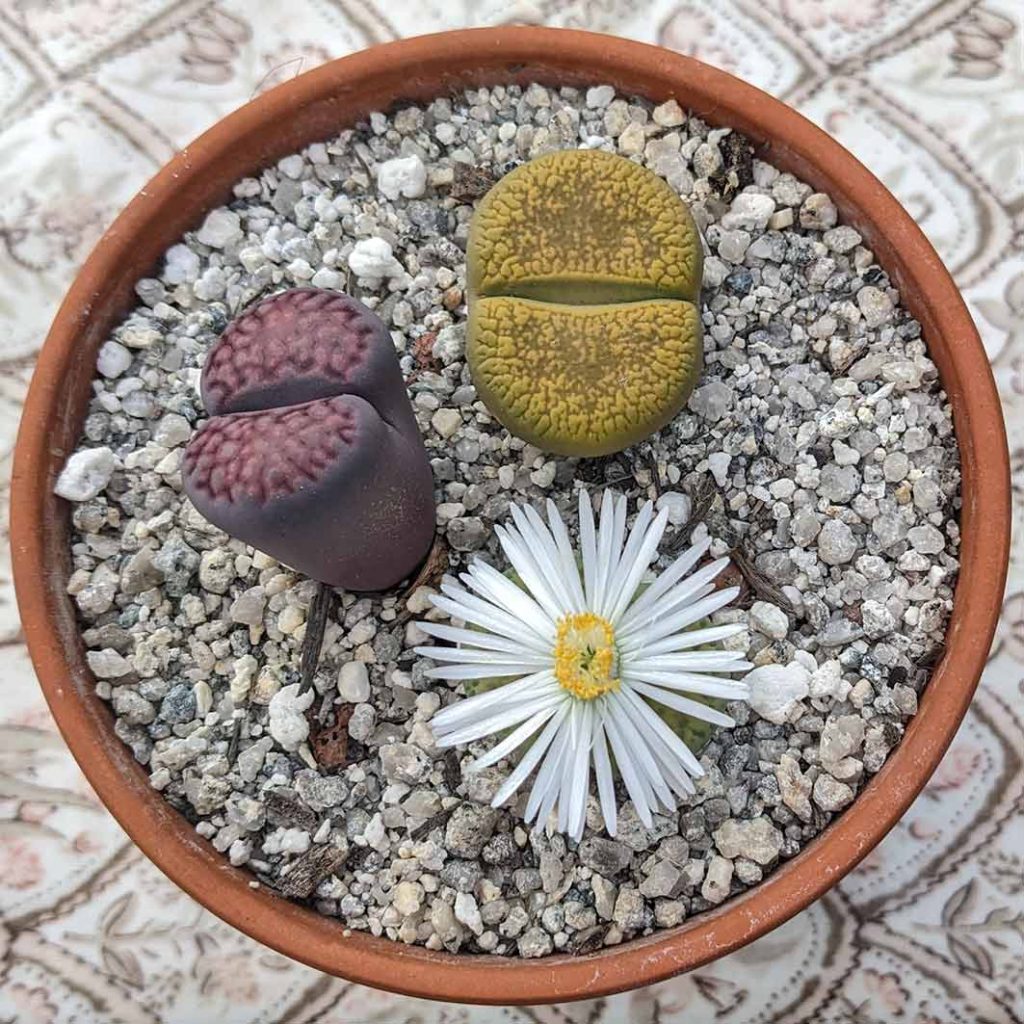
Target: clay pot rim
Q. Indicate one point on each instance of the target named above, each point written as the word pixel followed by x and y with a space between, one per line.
pixel 304 110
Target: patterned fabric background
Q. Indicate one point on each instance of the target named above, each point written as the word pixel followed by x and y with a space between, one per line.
pixel 96 94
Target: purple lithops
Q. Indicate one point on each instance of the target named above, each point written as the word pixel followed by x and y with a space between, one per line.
pixel 311 452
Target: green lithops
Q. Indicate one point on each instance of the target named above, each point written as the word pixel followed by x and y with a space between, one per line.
pixel 584 276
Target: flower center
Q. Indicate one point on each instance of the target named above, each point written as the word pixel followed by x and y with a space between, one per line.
pixel 585 657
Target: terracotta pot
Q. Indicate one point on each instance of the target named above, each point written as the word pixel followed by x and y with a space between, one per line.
pixel 315 106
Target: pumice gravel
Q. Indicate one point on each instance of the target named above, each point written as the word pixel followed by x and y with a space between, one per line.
pixel 818 448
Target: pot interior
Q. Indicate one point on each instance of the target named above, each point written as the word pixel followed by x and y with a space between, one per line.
pixel 315 107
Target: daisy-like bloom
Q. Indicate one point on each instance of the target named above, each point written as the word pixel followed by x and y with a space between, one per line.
pixel 585 657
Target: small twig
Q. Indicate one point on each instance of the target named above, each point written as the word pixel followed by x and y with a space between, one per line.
pixel 452 770
pixel 759 583
pixel 618 478
pixel 652 465
pixel 323 601
pixel 702 497
pixel 235 739
pixel 424 829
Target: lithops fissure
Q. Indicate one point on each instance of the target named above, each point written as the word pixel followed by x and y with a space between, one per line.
pixel 584 274
pixel 312 453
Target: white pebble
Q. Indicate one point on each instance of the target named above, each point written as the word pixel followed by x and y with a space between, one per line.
pixel 182 265
pixel 172 430
pixel 468 913
pixel 85 474
pixel 769 619
pixel 407 897
pixel 373 257
pixel 220 229
pixel 718 463
pixel 599 96
pixel 827 681
pixel 107 664
pixel 241 682
pixel 668 115
pixel 446 422
pixel 354 682
pixel 420 601
pixel 403 176
pixel 288 724
pixel 327 278
pixel 291 166
pixel 113 359
pixel 749 211
pixel 678 507
pixel 776 690
pixel 204 697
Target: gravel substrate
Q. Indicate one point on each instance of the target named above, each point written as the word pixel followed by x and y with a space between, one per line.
pixel 818 445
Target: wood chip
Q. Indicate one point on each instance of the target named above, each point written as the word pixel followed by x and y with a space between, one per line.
pixel 470 182
pixel 309 870
pixel 439 820
pixel 731 576
pixel 434 566
pixel 452 770
pixel 590 940
pixel 330 743
pixel 759 583
pixel 423 352
pixel 319 610
pixel 286 810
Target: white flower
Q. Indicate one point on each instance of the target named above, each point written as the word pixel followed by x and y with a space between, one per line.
pixel 587 656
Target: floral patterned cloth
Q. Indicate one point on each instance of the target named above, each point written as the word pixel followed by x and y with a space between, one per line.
pixel 96 94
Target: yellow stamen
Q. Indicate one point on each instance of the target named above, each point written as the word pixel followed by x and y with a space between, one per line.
pixel 585 656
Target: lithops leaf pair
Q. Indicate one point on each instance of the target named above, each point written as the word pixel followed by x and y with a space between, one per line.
pixel 584 274
pixel 311 452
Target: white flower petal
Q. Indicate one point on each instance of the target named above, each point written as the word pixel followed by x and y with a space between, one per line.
pixel 538 576
pixel 529 761
pixel 650 724
pixel 672 757
pixel 693 708
pixel 674 623
pixel 481 640
pixel 692 661
pixel 568 778
pixel 605 784
pixel 565 582
pixel 691 682
pixel 680 597
pixel 472 656
pixel 481 704
pixel 464 673
pixel 500 590
pixel 549 778
pixel 636 788
pixel 588 548
pixel 634 541
pixel 628 578
pixel 579 772
pixel 470 608
pixel 604 565
pixel 504 719
pixel 675 572
pixel 567 559
pixel 692 638
pixel 640 746
pixel 515 739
